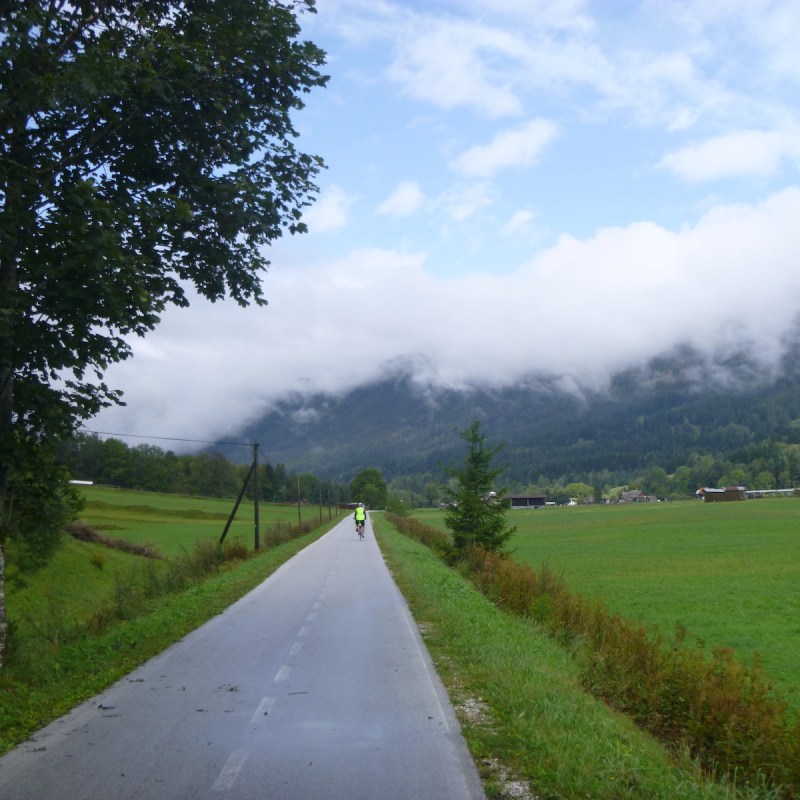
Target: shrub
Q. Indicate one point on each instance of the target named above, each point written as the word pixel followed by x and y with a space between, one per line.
pixel 125 596
pixel 84 533
pixel 235 550
pixel 283 532
pixel 204 559
pixel 398 505
pixel 437 540
pixel 98 559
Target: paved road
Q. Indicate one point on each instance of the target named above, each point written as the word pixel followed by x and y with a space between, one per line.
pixel 314 685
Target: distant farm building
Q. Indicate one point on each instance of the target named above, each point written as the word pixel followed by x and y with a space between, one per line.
pixel 637 497
pixel 527 500
pixel 761 493
pixel 724 495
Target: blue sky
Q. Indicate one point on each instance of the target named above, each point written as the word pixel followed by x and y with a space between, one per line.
pixel 512 187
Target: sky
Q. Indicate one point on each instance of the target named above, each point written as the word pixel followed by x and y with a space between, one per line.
pixel 563 187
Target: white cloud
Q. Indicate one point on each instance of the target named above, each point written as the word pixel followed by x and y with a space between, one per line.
pixel 556 15
pixel 413 86
pixel 464 201
pixel 449 64
pixel 520 222
pixel 521 146
pixel 330 210
pixel 740 153
pixel 497 64
pixel 403 201
pixel 669 63
pixel 580 309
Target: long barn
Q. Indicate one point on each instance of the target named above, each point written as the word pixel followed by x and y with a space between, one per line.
pixel 724 495
pixel 527 500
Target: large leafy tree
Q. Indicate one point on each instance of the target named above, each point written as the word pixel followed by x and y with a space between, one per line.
pixel 370 488
pixel 145 148
pixel 477 513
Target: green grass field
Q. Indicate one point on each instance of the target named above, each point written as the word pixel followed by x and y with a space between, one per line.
pixel 82 576
pixel 729 572
pixel 58 653
pixel 171 523
pixel 541 723
pixel 518 693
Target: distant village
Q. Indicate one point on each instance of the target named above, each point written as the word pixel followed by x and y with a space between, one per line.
pixel 706 494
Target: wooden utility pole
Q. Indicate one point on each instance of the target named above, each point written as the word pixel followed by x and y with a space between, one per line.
pixel 253 473
pixel 299 517
pixel 255 495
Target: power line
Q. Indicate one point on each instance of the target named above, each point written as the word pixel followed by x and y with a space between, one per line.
pixel 167 438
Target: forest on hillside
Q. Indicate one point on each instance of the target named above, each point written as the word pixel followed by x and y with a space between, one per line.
pixel 768 465
pixel 667 428
pixel 664 428
pixel 112 462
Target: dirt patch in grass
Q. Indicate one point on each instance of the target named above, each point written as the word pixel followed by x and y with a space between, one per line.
pixel 84 533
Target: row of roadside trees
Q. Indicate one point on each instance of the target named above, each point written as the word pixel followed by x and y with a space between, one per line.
pixel 210 474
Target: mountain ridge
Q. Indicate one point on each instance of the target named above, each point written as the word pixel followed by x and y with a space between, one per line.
pixel 660 413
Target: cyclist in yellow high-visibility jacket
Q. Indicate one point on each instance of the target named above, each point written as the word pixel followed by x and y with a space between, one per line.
pixel 360 515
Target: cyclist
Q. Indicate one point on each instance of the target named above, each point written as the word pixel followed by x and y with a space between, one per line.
pixel 360 517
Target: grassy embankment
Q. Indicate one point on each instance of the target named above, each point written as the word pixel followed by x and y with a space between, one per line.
pixel 728 572
pixel 519 696
pixel 94 613
pixel 171 523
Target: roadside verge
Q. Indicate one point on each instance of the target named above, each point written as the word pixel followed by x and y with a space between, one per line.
pixel 531 728
pixel 82 668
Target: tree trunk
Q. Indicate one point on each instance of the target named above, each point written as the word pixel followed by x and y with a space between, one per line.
pixel 6 447
pixel 9 292
pixel 3 620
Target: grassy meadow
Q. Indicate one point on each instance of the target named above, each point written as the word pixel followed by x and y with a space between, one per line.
pixel 170 523
pixel 532 728
pixel 728 572
pixel 83 575
pixel 94 612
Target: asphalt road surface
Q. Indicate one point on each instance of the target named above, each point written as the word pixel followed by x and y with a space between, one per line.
pixel 314 685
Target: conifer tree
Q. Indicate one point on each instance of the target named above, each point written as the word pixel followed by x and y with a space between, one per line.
pixel 477 514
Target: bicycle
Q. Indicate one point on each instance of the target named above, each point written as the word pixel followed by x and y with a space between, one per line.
pixel 360 529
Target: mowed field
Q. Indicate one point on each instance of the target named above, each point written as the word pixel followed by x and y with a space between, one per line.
pixel 82 578
pixel 171 523
pixel 729 572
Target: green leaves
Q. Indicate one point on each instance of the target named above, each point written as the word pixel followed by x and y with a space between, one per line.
pixel 477 513
pixel 143 147
pixel 370 488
